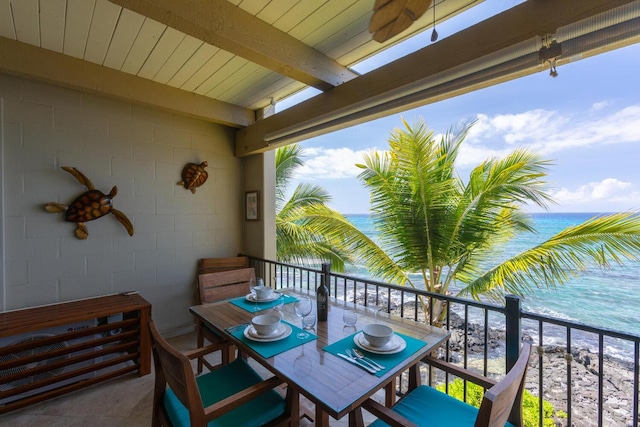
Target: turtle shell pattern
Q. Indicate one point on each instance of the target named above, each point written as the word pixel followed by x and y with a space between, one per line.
pixel 194 175
pixel 90 205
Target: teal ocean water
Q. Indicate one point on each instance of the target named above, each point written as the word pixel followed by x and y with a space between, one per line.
pixel 601 298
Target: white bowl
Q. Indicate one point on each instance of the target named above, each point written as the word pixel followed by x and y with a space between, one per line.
pixel 265 324
pixel 263 292
pixel 377 335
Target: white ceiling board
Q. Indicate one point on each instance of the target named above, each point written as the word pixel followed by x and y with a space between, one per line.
pixel 236 92
pixel 187 47
pixel 214 85
pixel 202 76
pixel 27 21
pixel 270 84
pixel 127 29
pixel 78 22
pixel 253 6
pixel 6 20
pixel 296 14
pixel 101 31
pixel 329 11
pixel 274 10
pixel 167 44
pixel 326 37
pixel 52 22
pixel 146 40
pixel 204 53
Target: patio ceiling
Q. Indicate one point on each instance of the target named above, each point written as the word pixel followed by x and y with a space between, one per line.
pixel 229 61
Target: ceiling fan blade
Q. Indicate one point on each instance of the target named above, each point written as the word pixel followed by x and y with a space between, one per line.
pixel 391 17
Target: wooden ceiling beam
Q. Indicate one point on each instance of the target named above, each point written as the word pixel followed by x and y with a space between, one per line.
pixel 25 60
pixel 520 23
pixel 234 30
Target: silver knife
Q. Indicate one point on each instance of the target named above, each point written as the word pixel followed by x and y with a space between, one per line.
pixel 355 362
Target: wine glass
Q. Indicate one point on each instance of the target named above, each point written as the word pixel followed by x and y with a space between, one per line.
pixel 302 308
pixel 279 305
pixel 254 294
pixel 377 308
pixel 259 285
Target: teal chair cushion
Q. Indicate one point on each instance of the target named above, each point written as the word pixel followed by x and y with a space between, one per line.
pixel 221 383
pixel 426 406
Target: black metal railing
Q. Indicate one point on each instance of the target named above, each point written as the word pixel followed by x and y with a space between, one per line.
pixel 590 375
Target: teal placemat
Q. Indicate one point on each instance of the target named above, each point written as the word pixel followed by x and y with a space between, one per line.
pixel 269 349
pixel 250 306
pixel 386 360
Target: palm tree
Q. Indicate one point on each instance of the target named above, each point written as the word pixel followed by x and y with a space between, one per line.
pixel 307 230
pixel 431 221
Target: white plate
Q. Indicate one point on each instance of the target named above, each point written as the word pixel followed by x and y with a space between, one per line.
pixel 283 332
pixel 273 297
pixel 395 345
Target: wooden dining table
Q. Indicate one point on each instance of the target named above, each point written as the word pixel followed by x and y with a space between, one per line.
pixel 336 386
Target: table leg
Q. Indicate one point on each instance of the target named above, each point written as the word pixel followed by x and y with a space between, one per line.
pixel 414 376
pixel 322 418
pixel 390 393
pixel 355 418
pixel 199 342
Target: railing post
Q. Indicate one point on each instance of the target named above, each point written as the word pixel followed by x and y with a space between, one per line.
pixel 326 271
pixel 513 330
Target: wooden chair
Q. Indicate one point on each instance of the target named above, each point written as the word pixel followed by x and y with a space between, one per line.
pixel 232 395
pixel 215 287
pixel 425 406
pixel 215 265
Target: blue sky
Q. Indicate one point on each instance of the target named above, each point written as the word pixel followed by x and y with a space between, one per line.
pixel 586 121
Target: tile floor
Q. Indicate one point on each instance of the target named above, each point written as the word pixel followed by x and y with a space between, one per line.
pixel 122 402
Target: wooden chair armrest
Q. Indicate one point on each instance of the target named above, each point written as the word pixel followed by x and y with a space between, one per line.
pixel 386 414
pixel 465 374
pixel 202 351
pixel 218 409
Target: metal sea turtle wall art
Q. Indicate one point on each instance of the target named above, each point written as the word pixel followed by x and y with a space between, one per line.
pixel 194 175
pixel 90 205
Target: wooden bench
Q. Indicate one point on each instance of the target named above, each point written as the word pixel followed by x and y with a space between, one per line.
pixel 54 349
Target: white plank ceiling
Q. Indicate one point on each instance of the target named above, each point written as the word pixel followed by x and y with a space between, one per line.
pixel 109 35
pixel 227 61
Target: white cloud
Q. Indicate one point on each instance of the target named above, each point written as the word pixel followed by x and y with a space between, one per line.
pixel 542 131
pixel 599 105
pixel 330 163
pixel 609 189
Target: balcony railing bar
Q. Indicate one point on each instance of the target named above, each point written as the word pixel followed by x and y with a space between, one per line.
pixel 466 346
pixel 299 276
pixel 600 376
pixel 636 375
pixel 541 372
pixel 569 375
pixel 485 351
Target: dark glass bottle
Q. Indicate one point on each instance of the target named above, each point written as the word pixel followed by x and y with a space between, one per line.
pixel 322 300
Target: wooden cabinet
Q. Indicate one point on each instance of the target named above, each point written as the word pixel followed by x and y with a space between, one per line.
pixel 50 350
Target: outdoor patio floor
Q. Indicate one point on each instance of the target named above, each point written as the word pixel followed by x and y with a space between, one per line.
pixel 122 402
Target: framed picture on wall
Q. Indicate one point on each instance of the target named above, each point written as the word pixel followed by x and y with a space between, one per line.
pixel 252 206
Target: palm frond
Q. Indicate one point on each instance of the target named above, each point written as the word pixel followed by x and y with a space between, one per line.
pixel 288 159
pixel 598 241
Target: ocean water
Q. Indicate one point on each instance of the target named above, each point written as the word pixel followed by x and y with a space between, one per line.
pixel 602 298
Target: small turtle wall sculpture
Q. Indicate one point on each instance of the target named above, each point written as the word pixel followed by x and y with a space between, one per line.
pixel 90 205
pixel 194 175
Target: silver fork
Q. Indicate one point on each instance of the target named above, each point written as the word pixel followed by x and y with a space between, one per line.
pixel 362 357
pixel 352 355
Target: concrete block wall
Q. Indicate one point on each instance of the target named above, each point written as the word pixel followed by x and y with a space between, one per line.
pixel 142 151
